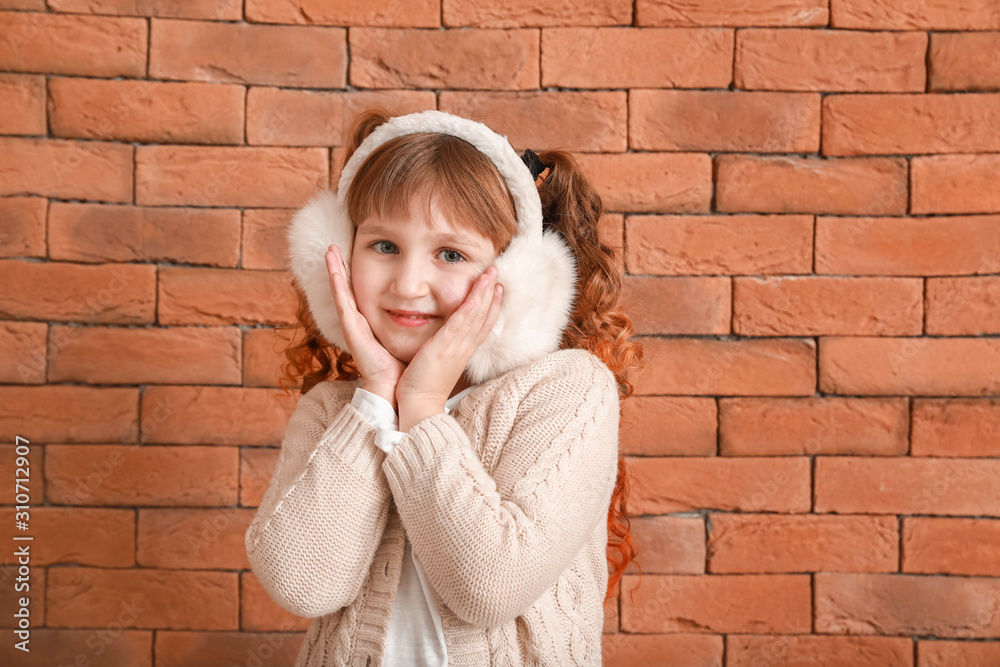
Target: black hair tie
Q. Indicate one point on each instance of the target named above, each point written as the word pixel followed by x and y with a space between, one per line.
pixel 534 163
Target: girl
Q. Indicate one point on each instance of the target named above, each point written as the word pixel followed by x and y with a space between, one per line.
pixel 444 495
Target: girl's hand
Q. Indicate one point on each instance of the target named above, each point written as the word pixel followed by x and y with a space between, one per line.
pixel 432 374
pixel 380 371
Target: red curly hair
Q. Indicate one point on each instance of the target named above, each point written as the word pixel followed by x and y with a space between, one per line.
pixel 470 184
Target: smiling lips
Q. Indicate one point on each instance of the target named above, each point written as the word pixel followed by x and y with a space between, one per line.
pixel 410 318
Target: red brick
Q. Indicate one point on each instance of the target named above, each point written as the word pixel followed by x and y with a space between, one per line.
pixel 59 646
pixel 678 305
pixel 282 117
pixel 768 603
pixel 963 61
pixel 259 612
pixel 939 653
pixel 818 651
pixel 955 184
pixel 522 13
pixel 23 4
pixel 820 305
pixel 238 176
pixel 721 12
pixel 293 56
pixel 902 604
pixel 914 15
pixel 802 542
pixel 719 244
pixel 892 124
pixel 66 169
pixel 649 182
pixel 611 620
pixel 463 59
pixel 397 102
pixel 230 416
pixel 668 545
pixel 728 367
pixel 765 122
pixel 81 45
pixel 227 648
pixel 100 233
pixel 571 120
pixel 830 60
pixel 222 296
pixel 412 14
pixel 963 306
pixel 265 245
pixel 956 427
pixel 9 603
pixel 24 104
pixel 219 10
pixel 105 294
pixel 146 111
pixel 910 366
pixel 36 496
pixel 682 484
pixel 951 546
pixel 908 246
pixel 24 226
pixel 66 413
pixel 256 469
pixel 629 650
pixel 23 360
pixel 611 232
pixel 200 539
pixel 809 185
pixel 784 426
pixel 690 422
pixel 637 58
pixel 77 535
pixel 905 485
pixel 174 355
pixel 150 475
pixel 144 598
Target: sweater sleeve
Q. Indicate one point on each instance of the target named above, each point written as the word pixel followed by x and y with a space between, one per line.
pixel 315 533
pixel 489 552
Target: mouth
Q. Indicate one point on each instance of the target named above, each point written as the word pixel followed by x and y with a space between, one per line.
pixel 410 318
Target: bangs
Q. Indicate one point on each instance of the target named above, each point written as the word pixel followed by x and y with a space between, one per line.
pixel 466 183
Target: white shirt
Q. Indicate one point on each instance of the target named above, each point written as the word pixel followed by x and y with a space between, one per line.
pixel 416 636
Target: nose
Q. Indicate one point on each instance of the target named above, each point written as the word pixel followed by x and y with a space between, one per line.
pixel 410 278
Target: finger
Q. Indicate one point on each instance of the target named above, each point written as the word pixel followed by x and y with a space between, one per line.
pixel 494 312
pixel 348 289
pixel 471 307
pixel 334 271
pixel 485 299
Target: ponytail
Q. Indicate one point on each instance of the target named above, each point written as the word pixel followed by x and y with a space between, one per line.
pixel 599 322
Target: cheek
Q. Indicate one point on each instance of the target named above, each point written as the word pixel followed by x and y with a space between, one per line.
pixel 362 286
pixel 455 291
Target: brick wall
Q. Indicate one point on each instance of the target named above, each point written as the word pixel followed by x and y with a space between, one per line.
pixel 804 193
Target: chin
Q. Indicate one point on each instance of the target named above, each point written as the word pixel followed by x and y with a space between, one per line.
pixel 404 355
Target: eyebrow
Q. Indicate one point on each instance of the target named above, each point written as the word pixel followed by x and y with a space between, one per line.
pixel 380 230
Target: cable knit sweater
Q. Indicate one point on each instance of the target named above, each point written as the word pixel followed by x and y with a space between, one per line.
pixel 505 503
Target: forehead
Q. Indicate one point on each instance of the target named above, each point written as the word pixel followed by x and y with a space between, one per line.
pixel 425 211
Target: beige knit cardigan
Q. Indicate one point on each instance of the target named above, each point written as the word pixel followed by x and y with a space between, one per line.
pixel 505 502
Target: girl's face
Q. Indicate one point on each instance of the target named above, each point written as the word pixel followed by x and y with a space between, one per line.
pixel 410 274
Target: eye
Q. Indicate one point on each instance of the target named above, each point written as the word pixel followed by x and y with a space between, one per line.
pixel 375 245
pixel 456 255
